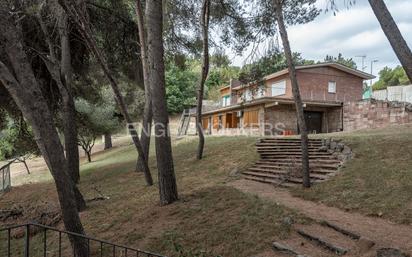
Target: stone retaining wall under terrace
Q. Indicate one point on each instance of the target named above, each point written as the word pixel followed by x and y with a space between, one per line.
pixel 375 114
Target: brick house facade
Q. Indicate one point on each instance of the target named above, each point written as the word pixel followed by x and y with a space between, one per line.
pixel 268 108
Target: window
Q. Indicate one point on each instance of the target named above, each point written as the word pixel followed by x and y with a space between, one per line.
pixel 251 119
pixel 332 87
pixel 226 100
pixel 279 88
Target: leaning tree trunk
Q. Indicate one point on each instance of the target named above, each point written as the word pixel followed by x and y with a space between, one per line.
pixel 204 21
pixel 54 67
pixel 391 30
pixel 166 174
pixel 79 18
pixel 147 112
pixel 26 92
pixel 296 95
pixel 69 111
pixel 107 141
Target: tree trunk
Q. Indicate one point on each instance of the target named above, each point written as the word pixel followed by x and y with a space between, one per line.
pixel 391 30
pixel 69 121
pixel 84 28
pixel 204 21
pixel 88 155
pixel 147 112
pixel 107 141
pixel 26 92
pixel 296 95
pixel 69 111
pixel 166 174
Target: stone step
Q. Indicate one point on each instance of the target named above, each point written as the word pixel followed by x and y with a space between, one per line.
pixel 312 165
pixel 288 156
pixel 289 139
pixel 328 238
pixel 275 146
pixel 283 173
pixel 298 161
pixel 286 144
pixel 291 151
pixel 272 181
pixel 285 169
pixel 280 177
pixel 297 246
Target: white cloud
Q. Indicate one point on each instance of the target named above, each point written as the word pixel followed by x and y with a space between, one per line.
pixel 352 32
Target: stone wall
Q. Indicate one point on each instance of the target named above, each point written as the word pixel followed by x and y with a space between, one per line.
pixel 375 114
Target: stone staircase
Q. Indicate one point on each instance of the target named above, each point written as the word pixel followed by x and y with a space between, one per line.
pixel 280 162
pixel 323 240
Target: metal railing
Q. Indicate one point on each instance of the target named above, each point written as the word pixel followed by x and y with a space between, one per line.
pixel 104 248
pixel 5 177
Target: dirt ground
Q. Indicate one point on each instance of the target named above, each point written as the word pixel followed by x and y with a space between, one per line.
pixel 383 232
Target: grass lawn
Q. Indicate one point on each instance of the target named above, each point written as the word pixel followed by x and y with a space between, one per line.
pixel 211 218
pixel 377 181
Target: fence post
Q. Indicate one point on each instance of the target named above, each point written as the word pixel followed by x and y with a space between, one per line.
pixel 27 241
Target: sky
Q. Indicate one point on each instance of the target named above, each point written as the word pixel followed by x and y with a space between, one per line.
pixel 352 32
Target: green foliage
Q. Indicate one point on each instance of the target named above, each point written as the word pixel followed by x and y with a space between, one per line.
pixel 272 62
pixel 96 119
pixel 17 140
pixel 391 77
pixel 180 88
pixel 349 62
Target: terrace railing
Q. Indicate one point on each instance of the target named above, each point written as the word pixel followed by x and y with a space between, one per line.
pixel 49 241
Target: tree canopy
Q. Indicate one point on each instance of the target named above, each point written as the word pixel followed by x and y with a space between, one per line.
pixel 391 77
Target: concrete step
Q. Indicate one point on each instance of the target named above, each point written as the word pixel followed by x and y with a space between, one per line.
pixel 282 150
pixel 288 156
pixel 276 146
pixel 288 139
pixel 286 144
pixel 298 160
pixel 312 165
pixel 280 177
pixel 286 169
pixel 272 181
pixel 283 173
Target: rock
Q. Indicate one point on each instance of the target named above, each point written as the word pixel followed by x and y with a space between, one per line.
pixel 323 148
pixel 364 244
pixel 234 173
pixel 346 150
pixel 340 147
pixel 288 221
pixel 333 145
pixel 408 107
pixel 390 252
pixel 327 142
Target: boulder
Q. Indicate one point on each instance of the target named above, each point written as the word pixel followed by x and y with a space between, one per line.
pixel 340 147
pixel 364 244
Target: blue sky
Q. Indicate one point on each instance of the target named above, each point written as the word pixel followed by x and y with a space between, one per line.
pixel 354 31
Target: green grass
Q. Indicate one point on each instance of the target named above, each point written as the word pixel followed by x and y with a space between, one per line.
pixel 377 181
pixel 211 218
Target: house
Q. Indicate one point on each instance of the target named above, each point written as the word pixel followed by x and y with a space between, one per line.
pixel 267 107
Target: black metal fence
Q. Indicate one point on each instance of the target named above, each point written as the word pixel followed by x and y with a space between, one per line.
pixel 35 240
pixel 5 177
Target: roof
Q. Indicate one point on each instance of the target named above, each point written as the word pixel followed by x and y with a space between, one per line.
pixel 269 101
pixel 335 65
